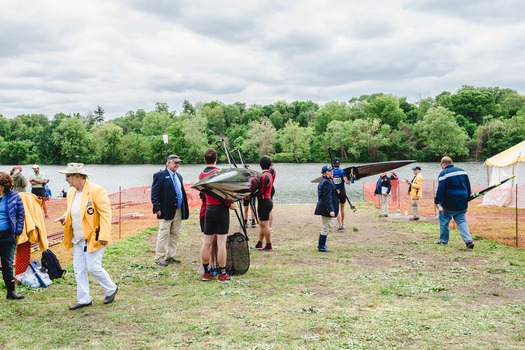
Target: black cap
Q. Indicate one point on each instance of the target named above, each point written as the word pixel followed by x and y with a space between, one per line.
pixel 416 168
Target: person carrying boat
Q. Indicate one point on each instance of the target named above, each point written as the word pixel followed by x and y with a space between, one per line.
pixel 216 225
pixel 326 206
pixel 340 179
pixel 265 205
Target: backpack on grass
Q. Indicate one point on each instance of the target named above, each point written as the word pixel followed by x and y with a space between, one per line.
pixel 51 265
pixel 238 254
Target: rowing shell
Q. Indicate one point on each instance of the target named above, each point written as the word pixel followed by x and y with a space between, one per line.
pixel 235 183
pixel 360 171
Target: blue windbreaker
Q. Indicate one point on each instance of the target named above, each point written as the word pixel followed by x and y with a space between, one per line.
pixel 453 189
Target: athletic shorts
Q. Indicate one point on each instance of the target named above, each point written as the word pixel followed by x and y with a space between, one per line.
pixel 39 192
pixel 247 200
pixel 217 220
pixel 342 196
pixel 202 221
pixel 264 208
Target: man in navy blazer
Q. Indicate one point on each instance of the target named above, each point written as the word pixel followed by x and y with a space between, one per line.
pixel 171 206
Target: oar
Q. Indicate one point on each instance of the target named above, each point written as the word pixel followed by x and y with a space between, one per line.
pixel 482 192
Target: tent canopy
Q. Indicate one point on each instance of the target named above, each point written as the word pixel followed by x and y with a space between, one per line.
pixel 511 156
pixel 500 167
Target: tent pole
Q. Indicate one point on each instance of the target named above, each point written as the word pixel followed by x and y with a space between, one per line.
pixel 517 244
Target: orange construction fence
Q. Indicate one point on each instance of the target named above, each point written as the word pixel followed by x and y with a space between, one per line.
pixel 502 224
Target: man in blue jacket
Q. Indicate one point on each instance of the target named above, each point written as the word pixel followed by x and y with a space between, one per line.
pixel 452 200
pixel 327 205
pixel 171 206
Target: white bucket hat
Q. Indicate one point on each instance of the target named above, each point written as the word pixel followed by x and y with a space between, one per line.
pixel 74 168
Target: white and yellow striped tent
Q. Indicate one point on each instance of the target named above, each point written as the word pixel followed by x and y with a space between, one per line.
pixel 501 166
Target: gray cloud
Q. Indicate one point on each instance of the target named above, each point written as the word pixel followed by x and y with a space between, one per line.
pixel 129 54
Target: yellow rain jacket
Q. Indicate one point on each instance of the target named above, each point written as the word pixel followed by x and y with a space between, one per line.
pixel 95 215
pixel 416 190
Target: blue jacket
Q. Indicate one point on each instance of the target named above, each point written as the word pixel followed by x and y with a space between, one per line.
pixel 328 200
pixel 383 181
pixel 15 211
pixel 164 197
pixel 453 189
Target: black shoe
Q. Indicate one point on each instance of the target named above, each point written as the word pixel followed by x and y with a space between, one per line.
pixel 173 260
pixel 439 242
pixel 79 306
pixel 161 263
pixel 13 296
pixel 470 245
pixel 110 298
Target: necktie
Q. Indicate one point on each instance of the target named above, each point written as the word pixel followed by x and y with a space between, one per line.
pixel 178 190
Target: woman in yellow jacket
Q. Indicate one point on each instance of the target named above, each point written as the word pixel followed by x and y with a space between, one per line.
pixel 87 225
pixel 415 190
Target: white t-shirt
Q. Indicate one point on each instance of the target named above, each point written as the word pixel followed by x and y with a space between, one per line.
pixel 78 233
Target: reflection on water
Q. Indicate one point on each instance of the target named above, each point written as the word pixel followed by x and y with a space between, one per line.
pixel 292 183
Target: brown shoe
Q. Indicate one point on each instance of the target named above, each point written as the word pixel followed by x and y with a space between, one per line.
pixel 414 218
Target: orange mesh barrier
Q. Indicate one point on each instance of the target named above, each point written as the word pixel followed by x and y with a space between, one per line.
pixel 22 258
pixel 131 211
pixel 501 224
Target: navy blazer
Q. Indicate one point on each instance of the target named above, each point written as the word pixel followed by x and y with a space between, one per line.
pixel 328 200
pixel 164 197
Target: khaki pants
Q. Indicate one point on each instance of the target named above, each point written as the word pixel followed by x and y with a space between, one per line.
pixel 384 203
pixel 327 225
pixel 414 204
pixel 168 237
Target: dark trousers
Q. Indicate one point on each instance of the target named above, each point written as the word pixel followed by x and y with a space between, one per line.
pixel 7 256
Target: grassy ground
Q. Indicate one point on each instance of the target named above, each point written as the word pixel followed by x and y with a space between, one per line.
pixel 385 285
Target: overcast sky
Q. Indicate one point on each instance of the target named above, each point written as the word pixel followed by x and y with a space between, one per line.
pixel 71 56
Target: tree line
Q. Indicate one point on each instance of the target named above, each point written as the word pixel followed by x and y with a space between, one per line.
pixel 471 124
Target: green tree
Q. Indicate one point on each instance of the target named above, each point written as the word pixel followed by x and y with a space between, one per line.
pixel 277 120
pixel 155 123
pixel 385 108
pixel 17 152
pixel 131 122
pixel 330 111
pixel 440 135
pixel 261 140
pixel 368 138
pixel 187 108
pixel 195 138
pixel 253 114
pixel 106 143
pixel 27 126
pixel 295 140
pixel 71 138
pixel 338 134
pixel 214 116
pixel 134 148
pixel 99 115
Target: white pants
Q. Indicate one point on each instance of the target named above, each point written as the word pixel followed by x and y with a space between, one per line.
pixel 84 261
pixel 327 225
pixel 168 237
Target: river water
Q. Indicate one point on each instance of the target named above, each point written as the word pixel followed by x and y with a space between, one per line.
pixel 292 183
